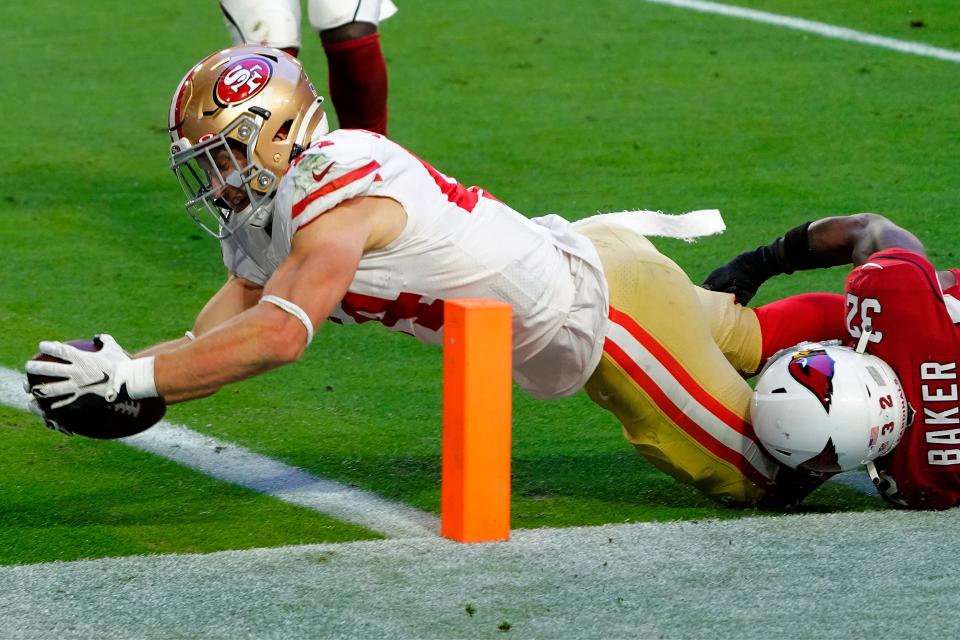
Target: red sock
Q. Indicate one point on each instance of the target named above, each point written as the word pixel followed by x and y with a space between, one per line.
pixel 808 316
pixel 358 83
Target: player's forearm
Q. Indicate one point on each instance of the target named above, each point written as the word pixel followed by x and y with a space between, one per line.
pixel 163 347
pixel 743 275
pixel 255 342
pixel 233 298
pixel 827 242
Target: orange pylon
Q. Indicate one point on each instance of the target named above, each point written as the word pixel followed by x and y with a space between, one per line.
pixel 477 387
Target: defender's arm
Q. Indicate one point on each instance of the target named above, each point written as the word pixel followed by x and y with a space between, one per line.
pixel 824 243
pixel 852 239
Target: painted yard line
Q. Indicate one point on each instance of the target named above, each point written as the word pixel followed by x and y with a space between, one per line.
pixel 818 28
pixel 11 389
pixel 804 576
pixel 231 463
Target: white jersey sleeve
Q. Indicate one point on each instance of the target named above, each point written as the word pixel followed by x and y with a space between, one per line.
pixel 458 242
pixel 334 169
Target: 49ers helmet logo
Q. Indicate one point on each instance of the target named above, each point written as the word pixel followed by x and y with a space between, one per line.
pixel 814 370
pixel 242 80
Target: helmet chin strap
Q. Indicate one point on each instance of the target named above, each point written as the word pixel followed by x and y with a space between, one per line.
pixel 864 339
pixel 262 217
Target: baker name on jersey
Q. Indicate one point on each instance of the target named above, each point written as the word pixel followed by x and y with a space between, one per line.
pixel 939 394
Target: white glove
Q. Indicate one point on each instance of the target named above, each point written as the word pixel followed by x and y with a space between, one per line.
pixel 102 372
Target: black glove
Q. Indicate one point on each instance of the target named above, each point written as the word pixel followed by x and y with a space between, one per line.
pixel 743 275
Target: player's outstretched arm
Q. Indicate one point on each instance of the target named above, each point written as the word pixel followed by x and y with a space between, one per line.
pixel 297 298
pixel 827 242
pixel 301 294
pixel 233 298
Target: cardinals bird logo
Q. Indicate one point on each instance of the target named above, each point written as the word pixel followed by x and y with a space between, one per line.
pixel 814 370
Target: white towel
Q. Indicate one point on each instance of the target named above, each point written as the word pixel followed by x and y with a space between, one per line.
pixel 685 226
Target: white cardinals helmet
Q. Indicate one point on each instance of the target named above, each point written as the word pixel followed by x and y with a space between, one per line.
pixel 827 408
pixel 253 99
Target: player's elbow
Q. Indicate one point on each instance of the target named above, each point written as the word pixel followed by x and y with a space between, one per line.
pixel 865 221
pixel 874 232
pixel 283 339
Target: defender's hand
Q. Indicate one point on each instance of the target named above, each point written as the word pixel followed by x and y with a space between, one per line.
pixel 739 277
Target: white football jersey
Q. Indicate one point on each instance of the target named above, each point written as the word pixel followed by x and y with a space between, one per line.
pixel 458 243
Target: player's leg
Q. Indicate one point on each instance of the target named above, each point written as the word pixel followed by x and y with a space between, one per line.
pixel 809 316
pixel 747 336
pixel 275 23
pixel 356 67
pixel 681 403
pixel 735 329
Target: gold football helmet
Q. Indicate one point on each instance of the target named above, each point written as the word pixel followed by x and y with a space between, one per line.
pixel 252 99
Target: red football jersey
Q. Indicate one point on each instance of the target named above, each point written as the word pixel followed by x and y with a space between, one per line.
pixel 896 293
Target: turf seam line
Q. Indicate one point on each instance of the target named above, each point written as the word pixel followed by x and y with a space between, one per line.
pixel 812 26
pixel 234 464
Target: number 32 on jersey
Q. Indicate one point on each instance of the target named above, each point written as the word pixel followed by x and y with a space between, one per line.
pixel 860 313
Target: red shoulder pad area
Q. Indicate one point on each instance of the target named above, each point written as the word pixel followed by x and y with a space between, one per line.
pixel 895 270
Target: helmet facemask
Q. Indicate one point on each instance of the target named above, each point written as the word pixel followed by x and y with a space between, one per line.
pixel 203 181
pixel 250 98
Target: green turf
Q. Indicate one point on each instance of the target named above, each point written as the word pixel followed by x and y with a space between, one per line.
pixel 933 23
pixel 70 498
pixel 577 108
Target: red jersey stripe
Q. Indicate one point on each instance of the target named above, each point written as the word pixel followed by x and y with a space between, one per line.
pixel 333 185
pixel 677 370
pixel 681 419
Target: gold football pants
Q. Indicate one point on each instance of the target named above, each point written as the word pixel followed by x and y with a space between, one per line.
pixel 669 370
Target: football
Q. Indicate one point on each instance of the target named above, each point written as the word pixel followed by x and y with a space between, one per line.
pixel 91 415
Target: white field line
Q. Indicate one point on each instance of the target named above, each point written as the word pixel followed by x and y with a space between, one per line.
pixel 231 463
pixel 818 28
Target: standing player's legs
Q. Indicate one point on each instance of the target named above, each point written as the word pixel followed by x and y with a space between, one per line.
pixel 681 403
pixel 356 67
pixel 275 23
